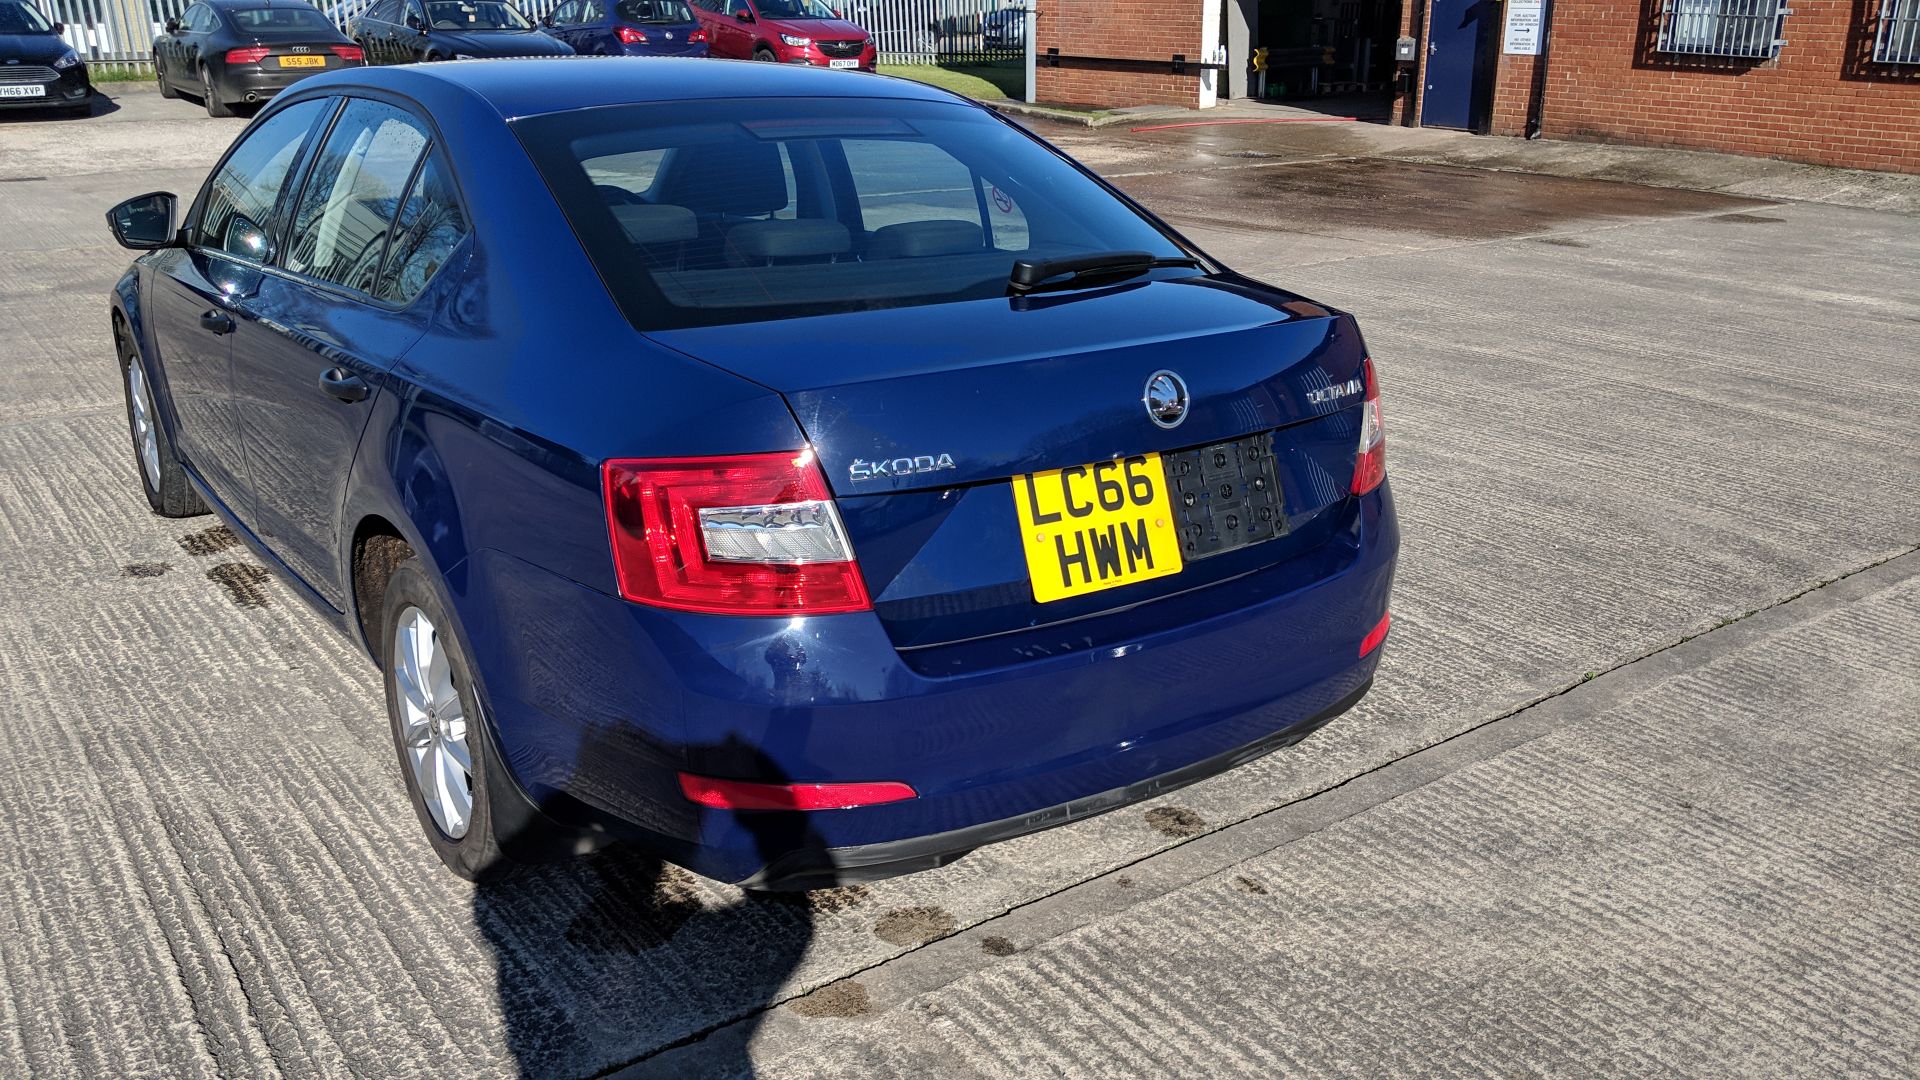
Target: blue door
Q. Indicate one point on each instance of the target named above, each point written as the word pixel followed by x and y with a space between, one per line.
pixel 1460 62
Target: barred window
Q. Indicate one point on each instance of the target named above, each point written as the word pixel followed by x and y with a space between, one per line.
pixel 1898 39
pixel 1746 29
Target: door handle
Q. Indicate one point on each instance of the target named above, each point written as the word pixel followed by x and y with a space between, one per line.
pixel 343 384
pixel 217 321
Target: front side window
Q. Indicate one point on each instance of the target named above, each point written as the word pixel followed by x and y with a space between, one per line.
pixel 698 213
pixel 20 18
pixel 353 194
pixel 477 15
pixel 564 15
pixel 236 213
pixel 280 20
pixel 795 9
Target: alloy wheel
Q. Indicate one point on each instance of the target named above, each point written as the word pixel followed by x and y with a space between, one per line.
pixel 144 436
pixel 433 723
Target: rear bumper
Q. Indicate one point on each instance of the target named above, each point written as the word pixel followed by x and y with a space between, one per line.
pixel 599 703
pixel 237 83
pixel 820 868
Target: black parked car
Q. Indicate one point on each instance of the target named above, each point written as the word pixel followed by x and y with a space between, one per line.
pixel 232 51
pixel 37 68
pixel 404 31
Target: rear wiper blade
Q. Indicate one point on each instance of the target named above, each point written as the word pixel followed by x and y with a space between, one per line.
pixel 1029 275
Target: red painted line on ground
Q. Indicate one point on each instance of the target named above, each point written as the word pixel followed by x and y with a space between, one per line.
pixel 1274 120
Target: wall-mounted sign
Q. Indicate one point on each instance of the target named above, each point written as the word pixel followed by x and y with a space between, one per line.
pixel 1523 28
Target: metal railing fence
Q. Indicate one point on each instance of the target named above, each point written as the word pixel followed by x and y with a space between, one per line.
pixel 1741 29
pixel 118 34
pixel 1897 39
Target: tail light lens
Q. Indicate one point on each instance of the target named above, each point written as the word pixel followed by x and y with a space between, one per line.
pixel 748 534
pixel 252 54
pixel 351 53
pixel 629 36
pixel 1376 635
pixel 748 795
pixel 698 37
pixel 1370 465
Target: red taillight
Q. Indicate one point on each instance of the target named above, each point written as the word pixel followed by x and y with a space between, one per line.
pixel 252 54
pixel 748 534
pixel 352 53
pixel 629 36
pixel 1370 466
pixel 1376 635
pixel 749 795
pixel 698 37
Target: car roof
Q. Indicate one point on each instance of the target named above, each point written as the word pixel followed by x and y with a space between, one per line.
pixel 531 86
pixel 230 5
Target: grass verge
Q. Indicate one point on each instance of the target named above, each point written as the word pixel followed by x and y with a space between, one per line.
pixel 982 82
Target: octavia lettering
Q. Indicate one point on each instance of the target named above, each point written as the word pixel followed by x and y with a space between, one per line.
pixel 1091 527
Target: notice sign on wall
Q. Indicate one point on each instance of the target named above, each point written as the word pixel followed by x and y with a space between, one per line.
pixel 1523 28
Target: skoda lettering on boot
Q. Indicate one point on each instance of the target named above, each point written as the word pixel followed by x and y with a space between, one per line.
pixel 862 469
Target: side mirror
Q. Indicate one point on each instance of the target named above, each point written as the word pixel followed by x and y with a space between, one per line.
pixel 743 14
pixel 173 26
pixel 59 28
pixel 414 23
pixel 144 222
pixel 547 19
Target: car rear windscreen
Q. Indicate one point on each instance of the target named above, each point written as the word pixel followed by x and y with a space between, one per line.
pixel 277 20
pixel 698 213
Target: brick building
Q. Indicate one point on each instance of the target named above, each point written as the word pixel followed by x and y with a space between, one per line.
pixel 1832 82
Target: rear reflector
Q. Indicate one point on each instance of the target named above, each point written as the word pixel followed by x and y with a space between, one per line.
pixel 252 54
pixel 350 53
pixel 748 795
pixel 747 534
pixel 1376 635
pixel 1370 465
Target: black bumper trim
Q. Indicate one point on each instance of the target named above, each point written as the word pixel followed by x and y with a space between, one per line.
pixel 826 867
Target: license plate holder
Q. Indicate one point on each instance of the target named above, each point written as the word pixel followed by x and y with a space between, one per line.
pixel 303 61
pixel 23 91
pixel 843 64
pixel 1226 496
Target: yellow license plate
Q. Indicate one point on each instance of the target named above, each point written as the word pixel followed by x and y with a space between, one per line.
pixel 303 61
pixel 1094 527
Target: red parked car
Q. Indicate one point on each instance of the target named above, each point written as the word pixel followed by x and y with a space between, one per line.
pixel 787 31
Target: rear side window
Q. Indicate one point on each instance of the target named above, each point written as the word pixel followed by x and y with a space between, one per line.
pixel 430 227
pixel 699 213
pixel 353 194
pixel 652 12
pixel 236 214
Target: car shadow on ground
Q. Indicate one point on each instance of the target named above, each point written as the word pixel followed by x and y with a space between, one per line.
pixel 607 959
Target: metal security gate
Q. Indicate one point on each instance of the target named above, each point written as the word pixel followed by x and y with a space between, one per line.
pixel 118 34
pixel 943 31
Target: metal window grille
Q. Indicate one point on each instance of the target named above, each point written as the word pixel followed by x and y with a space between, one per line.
pixel 1745 29
pixel 1898 38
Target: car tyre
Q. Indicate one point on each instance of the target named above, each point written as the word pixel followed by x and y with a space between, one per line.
pixel 211 96
pixel 160 76
pixel 162 477
pixel 439 735
pixel 766 54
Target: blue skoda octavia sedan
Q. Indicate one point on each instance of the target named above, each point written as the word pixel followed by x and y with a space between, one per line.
pixel 805 477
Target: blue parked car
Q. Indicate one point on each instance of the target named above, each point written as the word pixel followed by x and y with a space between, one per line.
pixel 807 478
pixel 627 28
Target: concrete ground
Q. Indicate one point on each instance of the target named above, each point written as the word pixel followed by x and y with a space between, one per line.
pixel 1637 790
